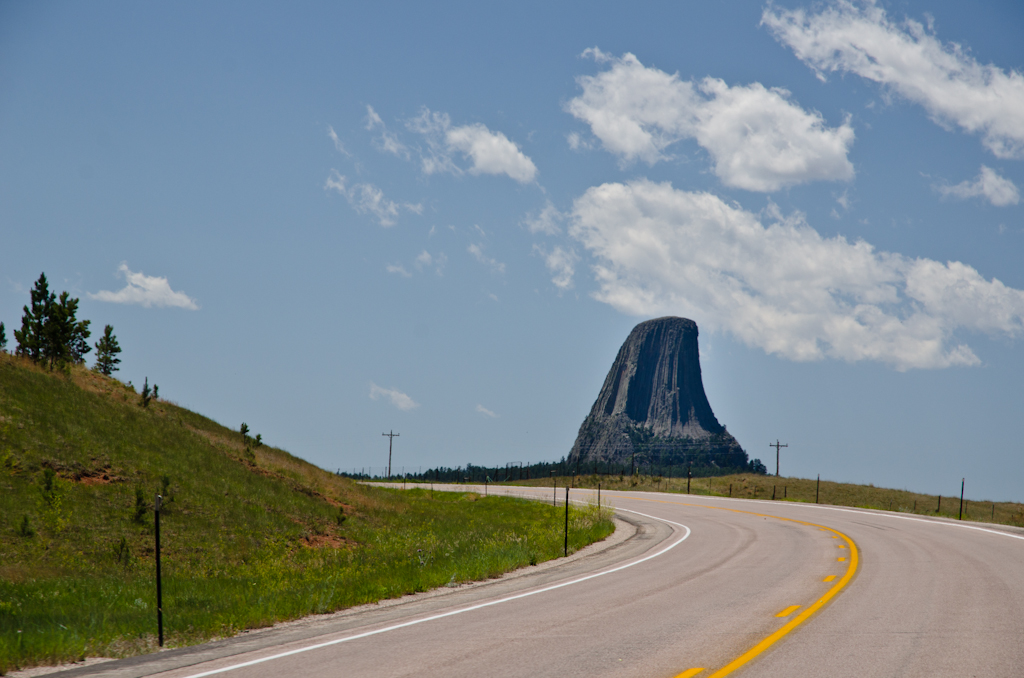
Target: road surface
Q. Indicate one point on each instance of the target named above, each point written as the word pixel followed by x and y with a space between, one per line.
pixel 695 586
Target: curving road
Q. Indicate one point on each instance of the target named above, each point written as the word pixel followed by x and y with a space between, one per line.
pixel 692 585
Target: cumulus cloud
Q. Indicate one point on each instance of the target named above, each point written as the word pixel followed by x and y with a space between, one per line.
pixel 478 253
pixel 757 137
pixel 491 152
pixel 394 396
pixel 944 78
pixel 998 190
pixel 486 412
pixel 387 140
pixel 368 199
pixel 146 291
pixel 782 286
pixel 561 263
pixel 546 221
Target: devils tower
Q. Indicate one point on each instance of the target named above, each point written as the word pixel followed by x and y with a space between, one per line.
pixel 652 410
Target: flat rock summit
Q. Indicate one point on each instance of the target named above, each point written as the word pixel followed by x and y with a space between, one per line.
pixel 652 410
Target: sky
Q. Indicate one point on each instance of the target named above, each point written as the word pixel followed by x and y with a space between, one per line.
pixel 334 220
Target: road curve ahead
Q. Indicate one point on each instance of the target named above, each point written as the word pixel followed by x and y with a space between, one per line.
pixel 707 587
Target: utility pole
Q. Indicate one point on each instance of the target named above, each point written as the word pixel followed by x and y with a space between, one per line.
pixel 391 438
pixel 777 445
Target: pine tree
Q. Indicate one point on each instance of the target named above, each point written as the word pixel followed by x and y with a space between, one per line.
pixel 3 338
pixel 30 336
pixel 147 394
pixel 49 329
pixel 107 349
pixel 64 336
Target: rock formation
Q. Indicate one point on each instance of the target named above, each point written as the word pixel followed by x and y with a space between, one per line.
pixel 652 410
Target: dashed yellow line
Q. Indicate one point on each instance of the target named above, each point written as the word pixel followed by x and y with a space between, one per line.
pixel 775 637
pixel 840 560
pixel 788 611
pixel 829 578
pixel 689 672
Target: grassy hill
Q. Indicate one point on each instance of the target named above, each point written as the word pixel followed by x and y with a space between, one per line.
pixel 808 490
pixel 248 537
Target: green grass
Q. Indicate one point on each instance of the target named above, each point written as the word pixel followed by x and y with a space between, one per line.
pixel 752 486
pixel 245 542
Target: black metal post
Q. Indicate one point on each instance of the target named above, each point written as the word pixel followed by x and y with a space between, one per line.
pixel 599 497
pixel 689 477
pixel 817 489
pixel 730 489
pixel 554 489
pixel 159 589
pixel 566 520
pixel 961 499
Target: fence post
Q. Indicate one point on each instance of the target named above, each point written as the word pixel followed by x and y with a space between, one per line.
pixel 817 489
pixel 159 589
pixel 961 499
pixel 599 497
pixel 566 520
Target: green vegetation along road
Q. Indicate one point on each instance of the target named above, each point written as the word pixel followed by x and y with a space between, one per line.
pixel 250 534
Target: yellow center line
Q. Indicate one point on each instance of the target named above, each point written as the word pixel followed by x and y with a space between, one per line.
pixel 788 611
pixel 689 672
pixel 842 546
pixel 840 560
pixel 829 578
pixel 775 637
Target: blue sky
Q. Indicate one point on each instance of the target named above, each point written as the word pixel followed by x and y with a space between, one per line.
pixel 331 221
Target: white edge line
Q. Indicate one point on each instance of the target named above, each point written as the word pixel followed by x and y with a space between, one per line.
pixel 459 611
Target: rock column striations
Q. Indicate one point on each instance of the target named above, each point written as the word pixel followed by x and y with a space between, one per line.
pixel 652 409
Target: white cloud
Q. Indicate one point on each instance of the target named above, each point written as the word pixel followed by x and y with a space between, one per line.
pixel 561 263
pixel 387 141
pixel 398 269
pixel 546 221
pixel 783 287
pixel 486 412
pixel 951 85
pixel 427 260
pixel 368 199
pixel 337 142
pixel 998 190
pixel 146 291
pixel 757 138
pixel 394 396
pixel 490 152
pixel 478 253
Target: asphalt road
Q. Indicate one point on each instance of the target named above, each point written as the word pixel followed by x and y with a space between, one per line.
pixel 693 585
